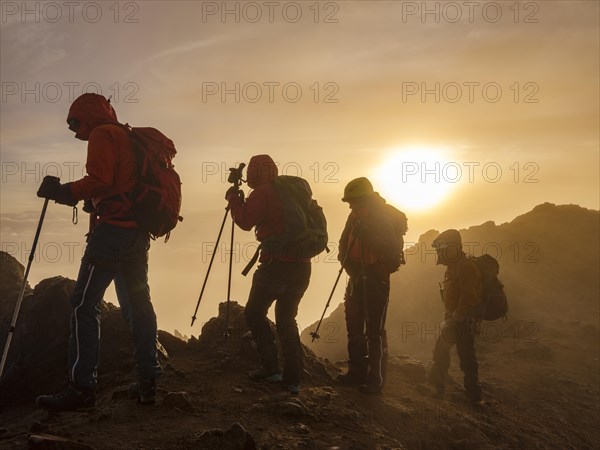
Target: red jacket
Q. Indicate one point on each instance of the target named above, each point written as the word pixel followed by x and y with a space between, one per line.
pixel 111 167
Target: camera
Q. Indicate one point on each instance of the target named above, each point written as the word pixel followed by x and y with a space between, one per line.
pixel 235 175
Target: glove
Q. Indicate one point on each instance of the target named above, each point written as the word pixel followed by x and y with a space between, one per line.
pixel 88 207
pixel 233 192
pixel 353 269
pixel 53 190
pixel 49 187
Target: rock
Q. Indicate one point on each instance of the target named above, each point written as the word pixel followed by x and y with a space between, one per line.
pixel 235 438
pixel 179 400
pixel 50 442
pixel 290 409
pixel 120 393
pixel 411 369
pixel 11 278
pixel 303 429
pixel 38 427
pixel 172 344
pixel 38 353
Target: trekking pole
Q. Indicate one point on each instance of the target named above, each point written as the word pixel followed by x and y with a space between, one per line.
pixel 212 258
pixel 315 334
pixel 11 330
pixel 364 284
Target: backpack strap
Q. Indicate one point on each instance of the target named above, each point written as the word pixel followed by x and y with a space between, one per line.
pixel 252 261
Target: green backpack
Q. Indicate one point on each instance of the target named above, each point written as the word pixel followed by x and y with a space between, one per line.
pixel 305 226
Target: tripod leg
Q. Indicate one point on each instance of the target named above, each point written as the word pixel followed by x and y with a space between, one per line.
pixel 229 280
pixel 212 258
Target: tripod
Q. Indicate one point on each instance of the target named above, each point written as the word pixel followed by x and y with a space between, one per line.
pixel 235 177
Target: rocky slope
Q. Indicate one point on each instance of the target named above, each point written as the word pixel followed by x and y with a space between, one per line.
pixel 540 375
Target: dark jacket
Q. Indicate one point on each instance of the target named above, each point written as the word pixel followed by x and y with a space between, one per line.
pixel 375 241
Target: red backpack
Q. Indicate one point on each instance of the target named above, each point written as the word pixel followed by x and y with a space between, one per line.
pixel 156 197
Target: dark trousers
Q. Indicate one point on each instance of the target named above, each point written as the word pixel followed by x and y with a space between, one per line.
pixel 462 334
pixel 118 254
pixel 285 283
pixel 367 346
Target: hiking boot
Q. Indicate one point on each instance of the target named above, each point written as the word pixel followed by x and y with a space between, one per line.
pixel 70 399
pixel 144 391
pixel 350 379
pixel 473 396
pixel 369 389
pixel 265 375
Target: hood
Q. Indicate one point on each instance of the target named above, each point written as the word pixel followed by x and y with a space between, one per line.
pixel 261 170
pixel 448 246
pixel 91 110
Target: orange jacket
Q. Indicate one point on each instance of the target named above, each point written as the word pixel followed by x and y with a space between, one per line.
pixel 111 166
pixel 462 287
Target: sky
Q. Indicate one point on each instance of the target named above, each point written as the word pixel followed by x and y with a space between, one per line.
pixel 458 112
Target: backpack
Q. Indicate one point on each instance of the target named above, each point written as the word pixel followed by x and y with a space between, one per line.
pixel 156 197
pixel 400 224
pixel 305 225
pixel 494 304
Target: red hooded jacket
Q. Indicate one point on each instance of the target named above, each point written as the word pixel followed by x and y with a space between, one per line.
pixel 262 209
pixel 111 166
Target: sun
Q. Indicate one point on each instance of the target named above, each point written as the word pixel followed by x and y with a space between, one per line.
pixel 416 178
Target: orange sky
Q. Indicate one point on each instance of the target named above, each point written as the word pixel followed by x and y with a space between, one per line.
pixel 332 90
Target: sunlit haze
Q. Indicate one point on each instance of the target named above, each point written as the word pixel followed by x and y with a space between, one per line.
pixel 456 122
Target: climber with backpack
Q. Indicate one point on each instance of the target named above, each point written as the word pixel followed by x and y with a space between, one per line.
pixel 132 194
pixel 371 249
pixel 462 296
pixel 291 229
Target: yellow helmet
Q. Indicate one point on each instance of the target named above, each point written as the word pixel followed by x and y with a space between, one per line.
pixel 359 187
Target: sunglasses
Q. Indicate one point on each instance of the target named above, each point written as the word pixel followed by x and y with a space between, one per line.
pixel 74 124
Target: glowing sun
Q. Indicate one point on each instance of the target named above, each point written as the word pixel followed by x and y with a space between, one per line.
pixel 416 178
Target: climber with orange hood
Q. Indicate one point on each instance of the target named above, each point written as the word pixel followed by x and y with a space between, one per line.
pixel 117 249
pixel 279 278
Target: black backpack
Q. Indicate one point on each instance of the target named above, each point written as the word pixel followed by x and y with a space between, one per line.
pixel 494 304
pixel 400 224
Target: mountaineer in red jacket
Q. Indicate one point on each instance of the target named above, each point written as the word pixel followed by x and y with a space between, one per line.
pixel 279 278
pixel 117 249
